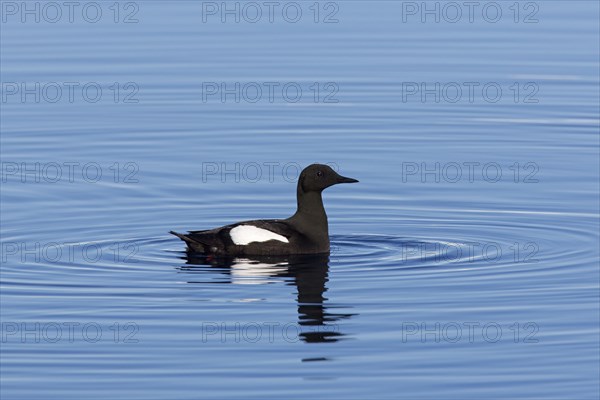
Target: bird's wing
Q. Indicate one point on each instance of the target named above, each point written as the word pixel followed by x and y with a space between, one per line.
pixel 277 226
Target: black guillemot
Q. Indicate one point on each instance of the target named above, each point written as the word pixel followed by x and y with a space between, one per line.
pixel 305 232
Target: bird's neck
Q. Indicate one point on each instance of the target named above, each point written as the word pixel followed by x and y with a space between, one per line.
pixel 311 212
pixel 311 203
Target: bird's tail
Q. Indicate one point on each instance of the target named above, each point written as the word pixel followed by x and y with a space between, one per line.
pixel 183 237
pixel 192 244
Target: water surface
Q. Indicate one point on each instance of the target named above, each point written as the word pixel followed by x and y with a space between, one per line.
pixel 464 264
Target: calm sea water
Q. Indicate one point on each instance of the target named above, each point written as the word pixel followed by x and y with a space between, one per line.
pixel 464 264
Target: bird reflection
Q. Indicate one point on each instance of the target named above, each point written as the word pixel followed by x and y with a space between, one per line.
pixel 309 274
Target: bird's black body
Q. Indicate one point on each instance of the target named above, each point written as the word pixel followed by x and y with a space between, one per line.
pixel 305 232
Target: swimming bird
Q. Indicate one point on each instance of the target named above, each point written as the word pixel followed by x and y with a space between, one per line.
pixel 305 232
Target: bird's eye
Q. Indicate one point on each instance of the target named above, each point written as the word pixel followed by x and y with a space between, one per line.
pixel 319 173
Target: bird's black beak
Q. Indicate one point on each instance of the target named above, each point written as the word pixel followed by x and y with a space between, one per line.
pixel 343 179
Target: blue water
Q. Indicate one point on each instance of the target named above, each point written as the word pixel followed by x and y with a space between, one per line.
pixel 463 265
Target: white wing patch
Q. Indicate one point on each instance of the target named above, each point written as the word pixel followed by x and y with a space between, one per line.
pixel 244 234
